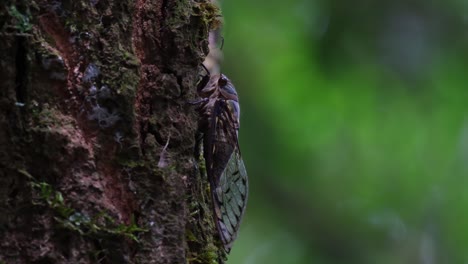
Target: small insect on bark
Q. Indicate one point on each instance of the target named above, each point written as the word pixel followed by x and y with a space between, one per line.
pixel 219 124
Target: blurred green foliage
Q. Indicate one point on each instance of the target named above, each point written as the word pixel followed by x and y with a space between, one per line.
pixel 354 129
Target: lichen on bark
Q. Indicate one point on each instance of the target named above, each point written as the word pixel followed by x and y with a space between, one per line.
pixel 93 93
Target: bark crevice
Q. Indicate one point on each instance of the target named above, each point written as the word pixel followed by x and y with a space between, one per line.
pixel 21 70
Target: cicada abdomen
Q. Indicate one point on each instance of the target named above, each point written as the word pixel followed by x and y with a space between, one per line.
pixel 225 168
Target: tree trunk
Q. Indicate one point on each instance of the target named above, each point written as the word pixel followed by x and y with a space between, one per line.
pixel 96 137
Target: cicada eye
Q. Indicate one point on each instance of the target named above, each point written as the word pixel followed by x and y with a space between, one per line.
pixel 222 81
pixel 227 90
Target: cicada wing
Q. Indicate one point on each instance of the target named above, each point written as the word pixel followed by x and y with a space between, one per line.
pixel 231 199
pixel 219 142
pixel 226 172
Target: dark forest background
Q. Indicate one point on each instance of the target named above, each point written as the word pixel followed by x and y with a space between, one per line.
pixel 354 129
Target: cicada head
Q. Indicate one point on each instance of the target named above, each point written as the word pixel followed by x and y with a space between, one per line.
pixel 226 88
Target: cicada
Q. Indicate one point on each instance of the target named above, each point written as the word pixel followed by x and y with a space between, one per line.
pixel 219 124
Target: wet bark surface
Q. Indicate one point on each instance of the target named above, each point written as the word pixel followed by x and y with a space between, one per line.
pixel 96 137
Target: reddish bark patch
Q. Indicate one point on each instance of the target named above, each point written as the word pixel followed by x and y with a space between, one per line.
pixel 112 192
pixel 147 25
pixel 117 193
pixel 54 29
pixel 50 24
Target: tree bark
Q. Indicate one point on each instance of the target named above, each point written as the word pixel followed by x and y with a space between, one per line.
pixel 96 137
